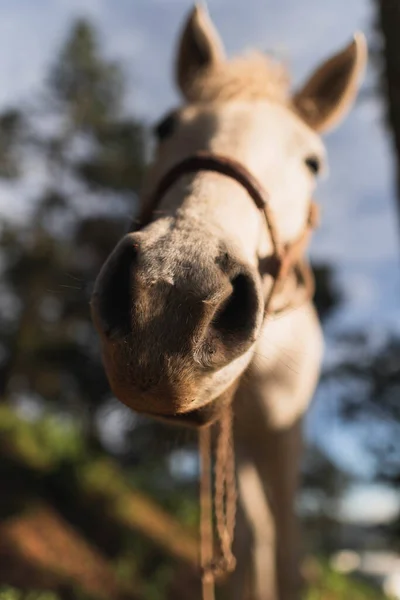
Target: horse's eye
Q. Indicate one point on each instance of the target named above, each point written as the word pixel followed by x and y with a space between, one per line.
pixel 314 164
pixel 166 126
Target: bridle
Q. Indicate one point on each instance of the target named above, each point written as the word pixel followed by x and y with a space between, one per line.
pixel 286 260
pixel 285 257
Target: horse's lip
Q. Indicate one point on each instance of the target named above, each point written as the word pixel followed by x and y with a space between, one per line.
pixel 197 418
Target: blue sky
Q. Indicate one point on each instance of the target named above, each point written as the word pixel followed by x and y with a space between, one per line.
pixel 143 32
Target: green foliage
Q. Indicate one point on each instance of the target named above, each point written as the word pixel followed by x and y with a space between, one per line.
pixel 375 373
pixel 7 593
pixel 95 496
pixel 117 163
pixel 90 88
pixel 328 585
pixel 156 588
pixel 11 126
pixel 326 296
pixel 50 262
pixel 12 593
pixel 43 444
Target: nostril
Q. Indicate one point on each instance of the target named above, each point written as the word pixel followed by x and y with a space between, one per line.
pixel 114 292
pixel 236 319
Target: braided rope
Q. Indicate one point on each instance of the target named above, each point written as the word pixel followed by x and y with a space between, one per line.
pixel 224 503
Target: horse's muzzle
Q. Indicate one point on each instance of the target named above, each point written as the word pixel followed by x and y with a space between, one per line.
pixel 172 335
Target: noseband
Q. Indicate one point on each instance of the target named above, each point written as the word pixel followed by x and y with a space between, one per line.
pixel 285 257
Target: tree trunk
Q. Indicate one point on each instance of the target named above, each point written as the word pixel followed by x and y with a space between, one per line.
pixel 388 13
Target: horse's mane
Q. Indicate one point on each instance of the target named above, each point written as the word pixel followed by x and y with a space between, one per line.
pixel 250 77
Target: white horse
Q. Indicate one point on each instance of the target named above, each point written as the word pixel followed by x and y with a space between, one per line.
pixel 179 305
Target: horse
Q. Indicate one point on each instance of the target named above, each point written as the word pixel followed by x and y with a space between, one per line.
pixel 204 303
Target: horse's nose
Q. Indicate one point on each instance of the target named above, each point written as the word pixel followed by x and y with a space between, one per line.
pixel 235 320
pixel 112 297
pixel 214 309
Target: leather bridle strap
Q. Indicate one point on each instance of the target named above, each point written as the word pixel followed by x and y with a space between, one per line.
pixel 284 257
pixel 207 161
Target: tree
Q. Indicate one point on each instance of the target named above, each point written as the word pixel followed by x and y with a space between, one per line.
pixel 92 157
pixel 367 380
pixel 388 22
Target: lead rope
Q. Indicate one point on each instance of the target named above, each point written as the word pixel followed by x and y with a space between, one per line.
pixel 223 503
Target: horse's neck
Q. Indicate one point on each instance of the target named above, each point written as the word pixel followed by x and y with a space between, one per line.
pixel 286 363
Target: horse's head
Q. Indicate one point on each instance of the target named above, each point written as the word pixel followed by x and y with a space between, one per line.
pixel 179 304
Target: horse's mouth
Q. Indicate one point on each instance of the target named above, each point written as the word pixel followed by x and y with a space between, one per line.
pixel 200 417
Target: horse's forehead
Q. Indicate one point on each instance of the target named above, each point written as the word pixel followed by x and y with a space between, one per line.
pixel 266 137
pixel 249 124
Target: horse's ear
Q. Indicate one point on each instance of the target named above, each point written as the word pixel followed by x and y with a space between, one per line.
pixel 331 90
pixel 200 50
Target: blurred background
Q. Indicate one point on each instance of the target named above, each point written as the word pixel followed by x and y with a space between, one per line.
pixel 96 503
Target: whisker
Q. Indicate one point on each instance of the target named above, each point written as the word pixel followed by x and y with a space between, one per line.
pixel 73 277
pixel 288 352
pixel 294 368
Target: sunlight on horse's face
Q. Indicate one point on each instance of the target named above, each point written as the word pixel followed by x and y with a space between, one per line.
pixel 273 143
pixel 196 295
pixel 179 305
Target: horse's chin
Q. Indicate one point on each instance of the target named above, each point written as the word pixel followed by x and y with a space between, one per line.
pixel 200 417
pixel 203 416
